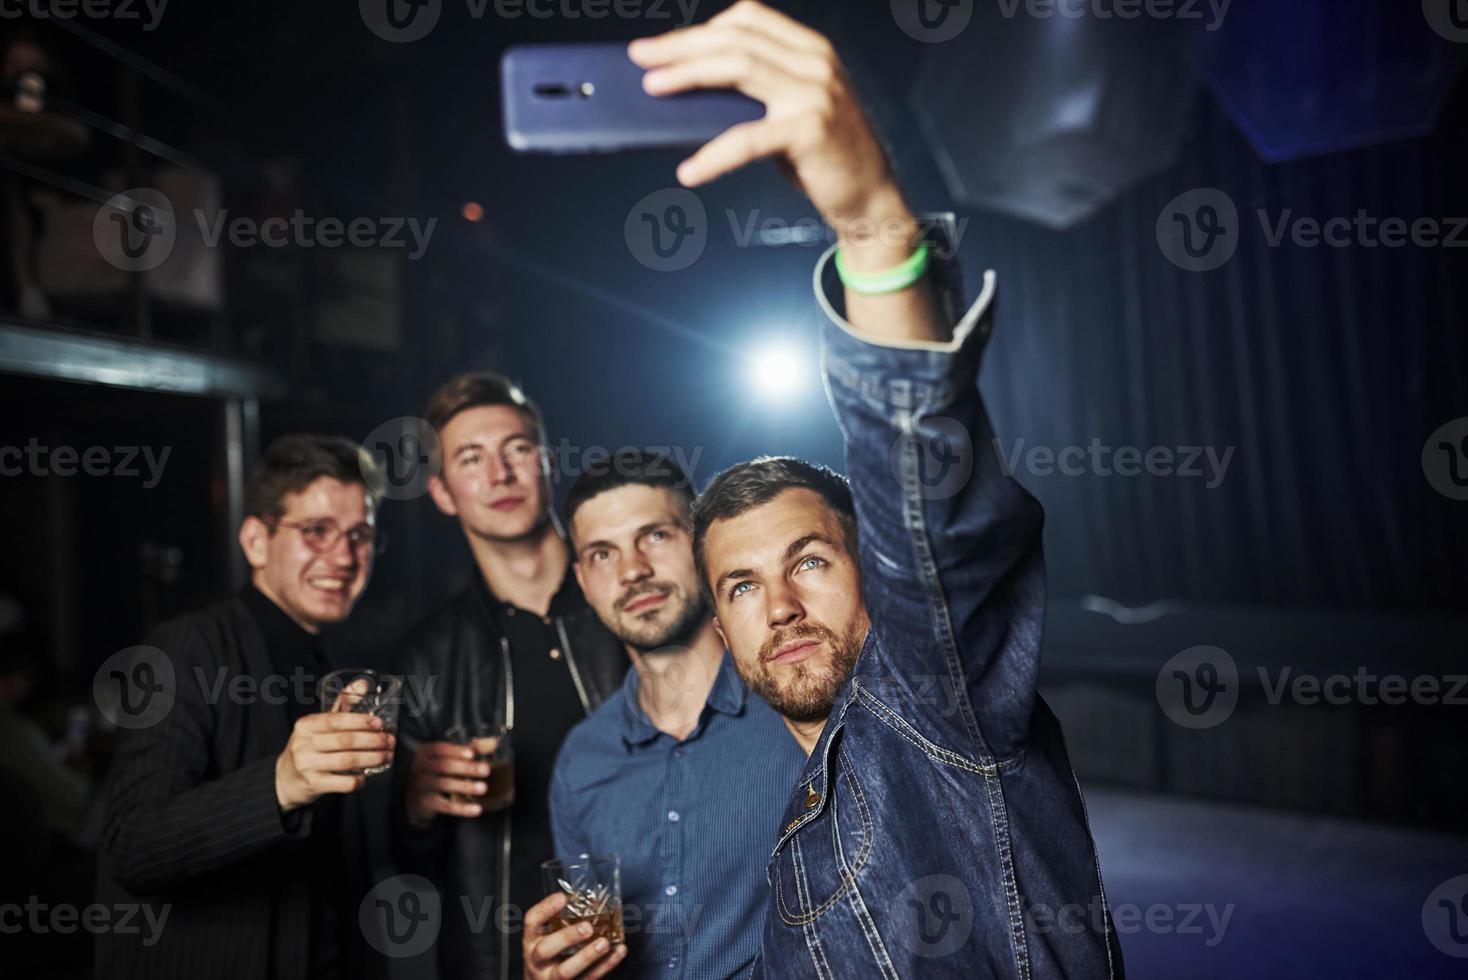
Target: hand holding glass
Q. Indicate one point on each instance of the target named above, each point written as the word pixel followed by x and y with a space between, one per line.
pixel 364 692
pixel 491 744
pixel 593 888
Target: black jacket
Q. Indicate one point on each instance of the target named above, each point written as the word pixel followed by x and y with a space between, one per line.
pixel 463 653
pixel 193 824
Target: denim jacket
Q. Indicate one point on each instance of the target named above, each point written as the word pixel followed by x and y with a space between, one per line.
pixel 937 829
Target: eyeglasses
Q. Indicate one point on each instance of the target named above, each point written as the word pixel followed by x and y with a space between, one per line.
pixel 322 536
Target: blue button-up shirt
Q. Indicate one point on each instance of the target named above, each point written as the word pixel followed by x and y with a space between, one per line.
pixel 690 820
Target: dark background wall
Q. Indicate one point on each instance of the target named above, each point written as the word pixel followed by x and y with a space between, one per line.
pixel 1334 544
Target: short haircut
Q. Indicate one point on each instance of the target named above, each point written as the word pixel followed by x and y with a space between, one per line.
pixel 292 463
pixel 628 467
pixel 746 486
pixel 476 389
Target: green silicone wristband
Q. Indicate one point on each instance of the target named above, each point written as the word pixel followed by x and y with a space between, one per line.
pixel 888 280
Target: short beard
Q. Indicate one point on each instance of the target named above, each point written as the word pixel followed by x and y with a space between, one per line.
pixel 649 638
pixel 810 694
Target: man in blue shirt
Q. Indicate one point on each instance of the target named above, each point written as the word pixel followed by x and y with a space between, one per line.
pixel 682 773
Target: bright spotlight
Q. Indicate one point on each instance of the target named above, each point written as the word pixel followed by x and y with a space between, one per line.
pixel 776 369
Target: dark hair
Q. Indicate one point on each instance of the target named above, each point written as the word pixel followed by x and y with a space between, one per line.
pixel 746 486
pixel 477 388
pixel 294 462
pixel 628 467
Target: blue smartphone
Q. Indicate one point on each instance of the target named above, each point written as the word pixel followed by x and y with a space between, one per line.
pixel 588 98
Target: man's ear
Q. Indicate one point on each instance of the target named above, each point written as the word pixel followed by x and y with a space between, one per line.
pixel 255 541
pixel 580 579
pixel 442 499
pixel 722 638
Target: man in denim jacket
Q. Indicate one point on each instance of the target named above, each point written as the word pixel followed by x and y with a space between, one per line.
pixel 937 829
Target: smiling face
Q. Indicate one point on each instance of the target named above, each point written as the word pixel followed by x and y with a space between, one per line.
pixel 312 588
pixel 493 477
pixel 787 601
pixel 634 561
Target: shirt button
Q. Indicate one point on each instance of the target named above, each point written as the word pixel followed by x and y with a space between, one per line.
pixel 555 654
pixel 670 891
pixel 673 816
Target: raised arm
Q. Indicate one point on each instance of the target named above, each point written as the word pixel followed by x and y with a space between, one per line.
pixel 950 546
pixel 952 570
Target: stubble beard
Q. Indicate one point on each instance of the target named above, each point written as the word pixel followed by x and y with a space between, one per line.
pixel 809 693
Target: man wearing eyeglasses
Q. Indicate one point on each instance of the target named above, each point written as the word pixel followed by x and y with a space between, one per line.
pixel 225 811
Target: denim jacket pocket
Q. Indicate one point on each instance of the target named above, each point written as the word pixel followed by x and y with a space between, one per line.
pixel 824 848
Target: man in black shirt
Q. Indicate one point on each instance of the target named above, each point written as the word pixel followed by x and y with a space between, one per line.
pixel 517 647
pixel 225 802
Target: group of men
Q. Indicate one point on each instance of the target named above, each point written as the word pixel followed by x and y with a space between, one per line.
pixel 785 792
